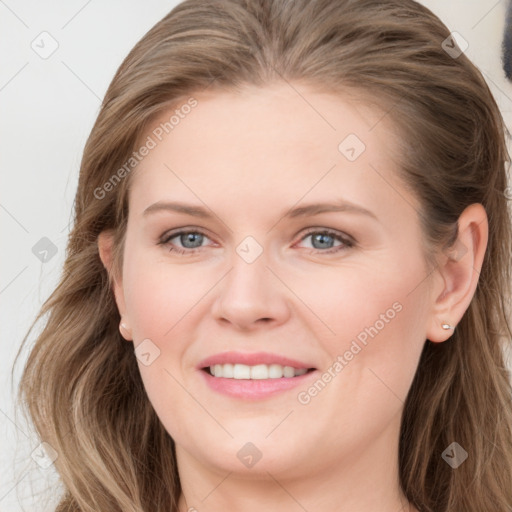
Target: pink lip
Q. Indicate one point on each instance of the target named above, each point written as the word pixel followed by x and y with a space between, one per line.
pixel 254 389
pixel 249 389
pixel 250 360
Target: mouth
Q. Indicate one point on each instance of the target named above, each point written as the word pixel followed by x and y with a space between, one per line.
pixel 254 376
pixel 240 371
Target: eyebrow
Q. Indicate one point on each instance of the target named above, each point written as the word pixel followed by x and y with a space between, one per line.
pixel 301 211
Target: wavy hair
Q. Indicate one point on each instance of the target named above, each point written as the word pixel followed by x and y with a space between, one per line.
pixel 81 385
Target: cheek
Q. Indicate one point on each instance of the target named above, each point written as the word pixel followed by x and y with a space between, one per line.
pixel 379 326
pixel 373 315
pixel 158 294
pixel 160 299
pixel 344 300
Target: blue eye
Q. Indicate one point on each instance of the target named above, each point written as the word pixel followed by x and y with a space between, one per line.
pixel 191 241
pixel 194 238
pixel 325 237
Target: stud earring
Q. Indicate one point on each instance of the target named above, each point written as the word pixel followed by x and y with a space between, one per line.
pixel 122 326
pixel 446 326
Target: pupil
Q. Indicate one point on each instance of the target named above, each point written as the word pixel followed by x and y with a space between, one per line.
pixel 321 237
pixel 189 237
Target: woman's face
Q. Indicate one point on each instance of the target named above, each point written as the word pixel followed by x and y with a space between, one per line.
pixel 263 280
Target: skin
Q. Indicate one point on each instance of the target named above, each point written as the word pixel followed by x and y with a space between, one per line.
pixel 249 157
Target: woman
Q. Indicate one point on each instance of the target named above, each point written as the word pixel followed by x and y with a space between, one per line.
pixel 287 282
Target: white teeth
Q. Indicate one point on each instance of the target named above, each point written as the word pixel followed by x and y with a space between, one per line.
pixel 288 371
pixel 275 371
pixel 240 371
pixel 257 372
pixel 227 370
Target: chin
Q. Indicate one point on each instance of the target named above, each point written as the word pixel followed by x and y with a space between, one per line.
pixel 253 456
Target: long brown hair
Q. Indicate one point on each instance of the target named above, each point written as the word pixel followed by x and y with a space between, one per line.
pixel 81 383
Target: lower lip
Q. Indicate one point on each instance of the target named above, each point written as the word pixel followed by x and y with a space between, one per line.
pixel 254 389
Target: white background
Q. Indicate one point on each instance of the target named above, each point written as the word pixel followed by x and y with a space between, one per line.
pixel 48 107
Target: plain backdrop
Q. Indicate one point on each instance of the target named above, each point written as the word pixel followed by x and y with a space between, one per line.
pixel 48 106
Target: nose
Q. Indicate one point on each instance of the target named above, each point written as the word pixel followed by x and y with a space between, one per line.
pixel 251 296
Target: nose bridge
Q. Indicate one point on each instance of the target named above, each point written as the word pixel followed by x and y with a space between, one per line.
pixel 248 282
pixel 250 292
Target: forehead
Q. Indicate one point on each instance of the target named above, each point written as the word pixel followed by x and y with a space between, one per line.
pixel 284 139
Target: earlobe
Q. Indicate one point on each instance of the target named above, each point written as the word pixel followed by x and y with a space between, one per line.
pixel 105 250
pixel 459 269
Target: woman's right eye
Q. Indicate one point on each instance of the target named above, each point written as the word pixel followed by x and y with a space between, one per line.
pixel 184 237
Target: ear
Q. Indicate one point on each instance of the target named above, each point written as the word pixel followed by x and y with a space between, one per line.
pixel 106 252
pixel 458 273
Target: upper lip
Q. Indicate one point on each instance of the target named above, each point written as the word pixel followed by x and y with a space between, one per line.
pixel 251 359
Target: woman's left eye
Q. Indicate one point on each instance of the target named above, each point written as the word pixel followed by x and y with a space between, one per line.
pixel 324 237
pixel 191 241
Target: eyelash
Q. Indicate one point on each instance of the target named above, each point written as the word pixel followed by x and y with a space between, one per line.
pixel 348 242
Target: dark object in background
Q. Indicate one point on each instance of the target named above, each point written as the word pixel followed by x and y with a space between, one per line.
pixel 507 43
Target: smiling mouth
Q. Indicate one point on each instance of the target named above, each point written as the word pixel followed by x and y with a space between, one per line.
pixel 256 372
